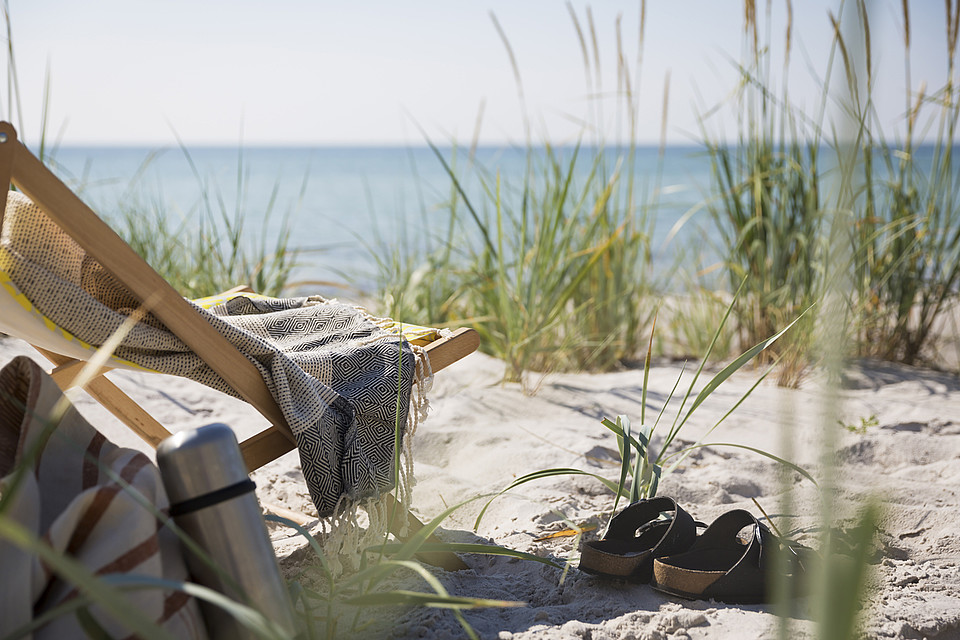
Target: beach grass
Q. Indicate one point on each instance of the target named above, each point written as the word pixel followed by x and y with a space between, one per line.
pixel 559 279
pixel 776 193
pixel 766 201
pixel 559 275
pixel 561 286
pixel 210 249
pixel 690 322
pixel 909 231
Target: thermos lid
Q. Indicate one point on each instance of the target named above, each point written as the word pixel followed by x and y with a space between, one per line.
pixel 197 462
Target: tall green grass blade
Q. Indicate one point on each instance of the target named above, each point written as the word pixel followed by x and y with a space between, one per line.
pixel 722 375
pixel 622 429
pixel 646 368
pixel 63 609
pixel 417 598
pixel 642 469
pixel 740 401
pixel 410 548
pixel 247 616
pixel 14 480
pixel 671 395
pixel 539 475
pixel 653 483
pixel 791 465
pixel 90 627
pixel 643 435
pixel 847 581
pixel 466 200
pixel 645 473
pixel 734 366
pixel 465 547
pixel 677 422
pixel 640 478
pixel 385 567
pixel 306 535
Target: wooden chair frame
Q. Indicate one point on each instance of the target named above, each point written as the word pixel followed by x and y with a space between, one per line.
pixel 18 166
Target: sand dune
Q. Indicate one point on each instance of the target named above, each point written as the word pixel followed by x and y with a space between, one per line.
pixel 481 435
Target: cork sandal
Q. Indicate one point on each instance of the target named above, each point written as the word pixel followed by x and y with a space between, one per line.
pixel 635 537
pixel 721 566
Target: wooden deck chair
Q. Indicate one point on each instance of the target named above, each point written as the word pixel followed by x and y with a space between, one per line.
pixel 18 166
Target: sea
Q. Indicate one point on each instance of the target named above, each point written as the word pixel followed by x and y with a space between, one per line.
pixel 345 205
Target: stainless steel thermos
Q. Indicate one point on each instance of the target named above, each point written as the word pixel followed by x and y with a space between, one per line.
pixel 212 499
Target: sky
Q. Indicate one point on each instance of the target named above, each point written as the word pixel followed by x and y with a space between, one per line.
pixel 391 72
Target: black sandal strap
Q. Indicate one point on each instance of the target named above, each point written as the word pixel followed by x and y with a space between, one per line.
pixel 636 536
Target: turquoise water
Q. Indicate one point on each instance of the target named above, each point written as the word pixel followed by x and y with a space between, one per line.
pixel 340 199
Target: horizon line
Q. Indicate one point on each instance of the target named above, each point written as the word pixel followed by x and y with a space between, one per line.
pixel 487 146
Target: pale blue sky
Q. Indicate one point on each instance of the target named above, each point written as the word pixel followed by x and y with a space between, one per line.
pixel 319 72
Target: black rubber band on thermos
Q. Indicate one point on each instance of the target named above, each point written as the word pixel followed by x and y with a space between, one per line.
pixel 212 498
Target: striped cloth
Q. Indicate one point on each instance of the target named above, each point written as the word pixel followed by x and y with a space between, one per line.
pixel 69 500
pixel 342 378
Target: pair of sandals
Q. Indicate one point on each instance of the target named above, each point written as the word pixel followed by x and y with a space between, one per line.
pixel 641 546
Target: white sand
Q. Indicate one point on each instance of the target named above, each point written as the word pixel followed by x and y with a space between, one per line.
pixel 481 435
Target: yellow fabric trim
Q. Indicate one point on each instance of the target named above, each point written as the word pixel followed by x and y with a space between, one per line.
pixel 13 293
pixel 413 333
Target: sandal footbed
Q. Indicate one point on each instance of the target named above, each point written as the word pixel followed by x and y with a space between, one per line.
pixel 689 575
pixel 621 558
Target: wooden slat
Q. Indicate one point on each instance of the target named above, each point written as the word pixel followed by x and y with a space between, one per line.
pixel 127 411
pixel 103 244
pixel 264 447
pixel 446 351
pixel 65 375
pixel 113 400
pixel 8 148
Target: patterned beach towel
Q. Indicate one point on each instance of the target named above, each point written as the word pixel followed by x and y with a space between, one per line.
pixel 70 498
pixel 342 380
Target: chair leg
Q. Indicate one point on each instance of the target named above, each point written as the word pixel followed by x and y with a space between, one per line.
pixel 127 411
